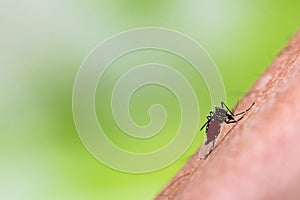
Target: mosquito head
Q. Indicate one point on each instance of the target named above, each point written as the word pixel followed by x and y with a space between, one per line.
pixel 220 113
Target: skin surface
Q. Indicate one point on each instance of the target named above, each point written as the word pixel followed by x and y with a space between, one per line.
pixel 258 158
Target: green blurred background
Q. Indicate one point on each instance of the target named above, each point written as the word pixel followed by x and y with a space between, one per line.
pixel 43 43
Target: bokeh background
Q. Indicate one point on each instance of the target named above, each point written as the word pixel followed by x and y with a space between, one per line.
pixel 42 45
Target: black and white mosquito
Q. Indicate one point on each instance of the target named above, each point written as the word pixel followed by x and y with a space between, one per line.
pixel 216 119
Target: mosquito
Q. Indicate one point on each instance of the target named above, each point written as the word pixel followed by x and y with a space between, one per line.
pixel 216 119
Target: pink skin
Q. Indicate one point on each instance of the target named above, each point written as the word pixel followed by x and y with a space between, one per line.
pixel 260 157
pixel 259 160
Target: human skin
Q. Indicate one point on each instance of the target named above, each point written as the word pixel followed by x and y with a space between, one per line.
pixel 259 157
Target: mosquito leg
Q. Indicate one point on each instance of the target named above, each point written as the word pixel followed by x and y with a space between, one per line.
pixel 230 121
pixel 204 125
pixel 245 110
pixel 223 104
pixel 208 117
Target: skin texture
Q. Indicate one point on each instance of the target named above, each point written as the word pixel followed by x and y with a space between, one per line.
pixel 258 158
